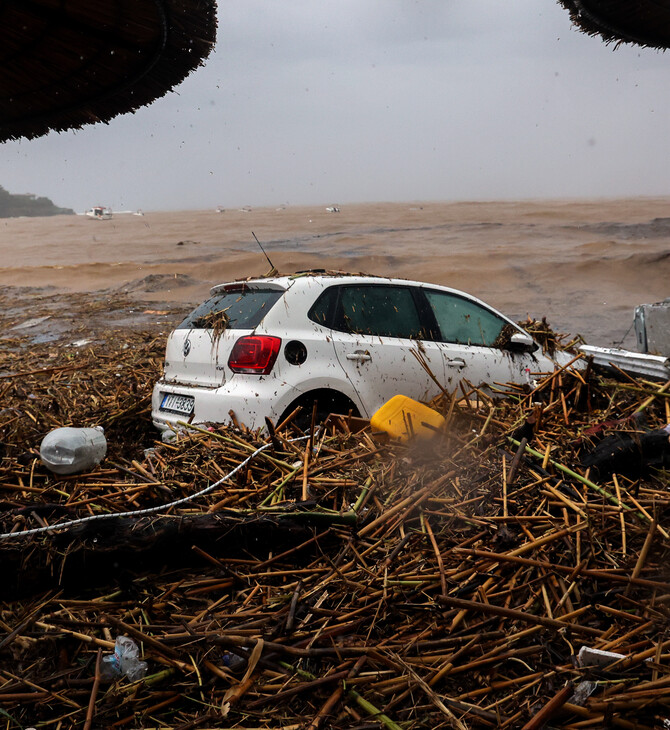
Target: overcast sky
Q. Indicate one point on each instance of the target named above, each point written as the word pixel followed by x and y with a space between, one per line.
pixel 305 102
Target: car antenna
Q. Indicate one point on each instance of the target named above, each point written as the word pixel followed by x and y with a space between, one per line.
pixel 273 269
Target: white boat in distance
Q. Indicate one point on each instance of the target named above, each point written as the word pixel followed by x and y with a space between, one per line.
pixel 99 212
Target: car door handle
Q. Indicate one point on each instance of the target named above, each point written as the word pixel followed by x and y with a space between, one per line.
pixel 360 356
pixel 456 363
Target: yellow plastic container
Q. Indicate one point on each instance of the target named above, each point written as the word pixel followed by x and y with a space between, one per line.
pixel 403 418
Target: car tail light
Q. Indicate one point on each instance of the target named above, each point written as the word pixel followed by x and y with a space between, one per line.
pixel 255 354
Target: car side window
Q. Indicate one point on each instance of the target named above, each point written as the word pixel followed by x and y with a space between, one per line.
pixel 463 321
pixel 322 310
pixel 379 310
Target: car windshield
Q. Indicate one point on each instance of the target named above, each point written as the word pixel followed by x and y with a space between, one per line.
pixel 232 310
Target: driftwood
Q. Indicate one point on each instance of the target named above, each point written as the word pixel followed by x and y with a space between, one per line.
pixel 104 553
pixel 446 584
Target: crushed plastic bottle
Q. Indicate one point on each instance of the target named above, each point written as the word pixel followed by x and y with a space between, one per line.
pixel 234 662
pixel 172 434
pixel 124 662
pixel 582 692
pixel 168 436
pixel 70 450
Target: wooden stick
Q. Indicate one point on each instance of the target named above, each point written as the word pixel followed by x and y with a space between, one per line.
pixel 94 692
pixel 519 615
pixel 552 708
pixel 438 557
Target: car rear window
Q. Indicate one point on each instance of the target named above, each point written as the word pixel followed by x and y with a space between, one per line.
pixel 232 310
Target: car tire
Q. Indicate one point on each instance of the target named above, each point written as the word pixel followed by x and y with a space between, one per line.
pixel 328 401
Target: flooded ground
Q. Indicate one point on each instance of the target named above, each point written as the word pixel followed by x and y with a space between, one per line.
pixel 583 264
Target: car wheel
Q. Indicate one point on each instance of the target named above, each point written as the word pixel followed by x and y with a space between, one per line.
pixel 327 402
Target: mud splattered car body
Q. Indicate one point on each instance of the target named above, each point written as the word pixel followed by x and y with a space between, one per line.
pixel 261 348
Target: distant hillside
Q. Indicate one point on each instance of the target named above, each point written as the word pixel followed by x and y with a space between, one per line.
pixel 13 206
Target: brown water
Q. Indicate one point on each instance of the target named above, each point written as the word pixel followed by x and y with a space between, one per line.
pixel 583 264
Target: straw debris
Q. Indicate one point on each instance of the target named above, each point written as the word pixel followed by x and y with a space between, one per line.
pixel 643 22
pixel 70 64
pixel 371 585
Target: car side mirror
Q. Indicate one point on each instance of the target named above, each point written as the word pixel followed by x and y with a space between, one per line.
pixel 522 342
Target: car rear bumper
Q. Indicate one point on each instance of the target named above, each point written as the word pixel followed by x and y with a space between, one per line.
pixel 250 398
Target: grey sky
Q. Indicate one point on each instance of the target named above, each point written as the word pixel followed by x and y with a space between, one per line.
pixel 305 102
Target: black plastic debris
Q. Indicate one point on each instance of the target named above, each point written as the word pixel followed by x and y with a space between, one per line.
pixel 630 453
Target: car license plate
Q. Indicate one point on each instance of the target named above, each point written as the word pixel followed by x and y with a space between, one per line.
pixel 178 403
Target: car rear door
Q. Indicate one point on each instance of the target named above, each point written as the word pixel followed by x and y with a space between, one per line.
pixel 376 328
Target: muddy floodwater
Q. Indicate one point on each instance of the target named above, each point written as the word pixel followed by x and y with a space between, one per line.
pixel 584 265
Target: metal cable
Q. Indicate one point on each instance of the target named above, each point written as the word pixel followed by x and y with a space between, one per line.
pixel 148 510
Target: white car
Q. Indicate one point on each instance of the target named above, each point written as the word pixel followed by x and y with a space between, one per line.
pixel 258 349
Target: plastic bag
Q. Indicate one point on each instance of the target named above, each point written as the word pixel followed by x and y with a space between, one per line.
pixel 124 662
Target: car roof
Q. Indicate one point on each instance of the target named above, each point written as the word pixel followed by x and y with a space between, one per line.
pixel 303 279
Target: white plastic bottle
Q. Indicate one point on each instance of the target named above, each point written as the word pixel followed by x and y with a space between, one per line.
pixel 70 450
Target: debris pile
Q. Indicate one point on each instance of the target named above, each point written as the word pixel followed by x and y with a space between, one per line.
pixel 481 579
